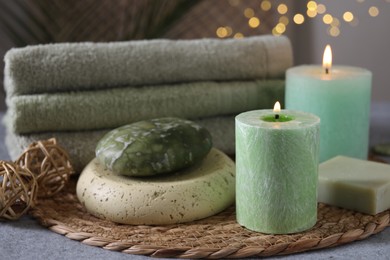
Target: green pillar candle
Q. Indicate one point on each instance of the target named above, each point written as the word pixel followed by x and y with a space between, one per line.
pixel 277 171
pixel 341 98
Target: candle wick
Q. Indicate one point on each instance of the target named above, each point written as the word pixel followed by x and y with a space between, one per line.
pixel 326 70
pixel 277 116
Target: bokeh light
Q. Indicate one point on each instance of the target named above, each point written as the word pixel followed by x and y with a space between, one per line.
pixel 311 13
pixel 238 36
pixel 335 22
pixel 299 19
pixel 229 30
pixel 265 5
pixel 334 31
pixel 327 19
pixel 355 22
pixel 274 32
pixel 254 22
pixel 312 6
pixel 282 9
pixel 222 32
pixel 315 10
pixel 249 12
pixel 284 20
pixel 373 11
pixel 348 17
pixel 321 9
pixel 280 28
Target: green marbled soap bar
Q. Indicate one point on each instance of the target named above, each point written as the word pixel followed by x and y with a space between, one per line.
pixel 153 147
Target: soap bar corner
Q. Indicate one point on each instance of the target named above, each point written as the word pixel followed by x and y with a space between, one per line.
pixel 355 184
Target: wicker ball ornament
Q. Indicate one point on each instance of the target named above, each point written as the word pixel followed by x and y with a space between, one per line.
pixel 18 190
pixel 49 163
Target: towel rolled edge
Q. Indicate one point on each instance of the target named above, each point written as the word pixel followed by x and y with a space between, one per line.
pixel 61 67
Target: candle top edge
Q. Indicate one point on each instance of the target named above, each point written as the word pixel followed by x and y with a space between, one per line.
pixel 300 119
pixel 336 71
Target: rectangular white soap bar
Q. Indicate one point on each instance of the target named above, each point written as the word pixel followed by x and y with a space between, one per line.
pixel 355 184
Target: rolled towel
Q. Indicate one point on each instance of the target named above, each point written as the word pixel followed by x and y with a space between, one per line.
pixel 84 66
pixel 111 108
pixel 81 145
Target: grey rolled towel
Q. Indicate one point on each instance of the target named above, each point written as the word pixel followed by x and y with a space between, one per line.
pixel 111 108
pixel 81 145
pixel 83 66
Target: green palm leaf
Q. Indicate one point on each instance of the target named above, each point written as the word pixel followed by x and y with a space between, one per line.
pixel 26 22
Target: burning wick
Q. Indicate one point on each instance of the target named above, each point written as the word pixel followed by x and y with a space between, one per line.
pixel 277 109
pixel 327 59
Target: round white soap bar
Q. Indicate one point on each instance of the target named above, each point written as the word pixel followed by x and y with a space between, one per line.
pixel 197 192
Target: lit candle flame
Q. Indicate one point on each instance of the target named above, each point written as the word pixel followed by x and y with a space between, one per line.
pixel 327 59
pixel 277 107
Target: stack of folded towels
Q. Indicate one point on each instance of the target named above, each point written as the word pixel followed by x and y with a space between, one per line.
pixel 77 92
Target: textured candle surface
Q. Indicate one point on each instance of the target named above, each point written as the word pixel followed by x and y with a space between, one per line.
pixel 342 101
pixel 355 184
pixel 276 171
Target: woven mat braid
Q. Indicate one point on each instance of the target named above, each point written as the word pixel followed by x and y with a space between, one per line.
pixel 218 236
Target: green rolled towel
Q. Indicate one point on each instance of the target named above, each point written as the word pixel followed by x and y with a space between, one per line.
pixel 111 108
pixel 83 66
pixel 81 145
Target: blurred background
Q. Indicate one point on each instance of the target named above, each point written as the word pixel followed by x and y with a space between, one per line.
pixel 358 30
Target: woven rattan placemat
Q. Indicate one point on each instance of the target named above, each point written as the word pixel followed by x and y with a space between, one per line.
pixel 218 236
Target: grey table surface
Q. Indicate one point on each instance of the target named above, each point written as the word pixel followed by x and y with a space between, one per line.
pixel 26 239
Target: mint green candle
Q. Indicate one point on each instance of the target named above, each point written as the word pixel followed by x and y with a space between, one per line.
pixel 341 99
pixel 277 171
